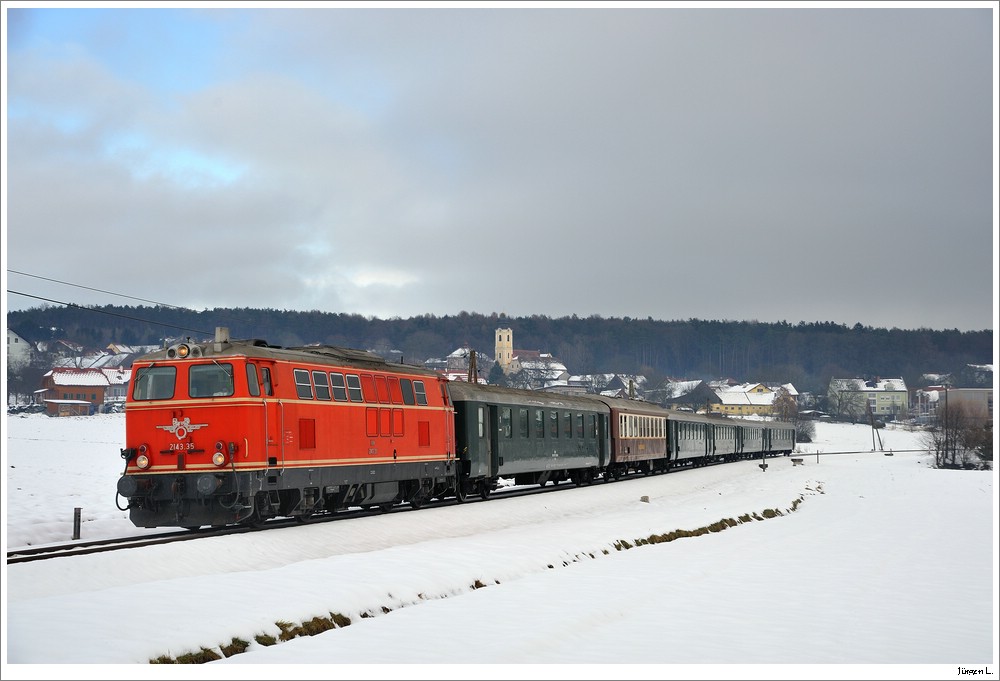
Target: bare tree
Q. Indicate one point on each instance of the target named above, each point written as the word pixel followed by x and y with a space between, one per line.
pixel 847 399
pixel 783 407
pixel 962 438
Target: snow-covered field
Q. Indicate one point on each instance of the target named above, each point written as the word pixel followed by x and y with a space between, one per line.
pixel 874 560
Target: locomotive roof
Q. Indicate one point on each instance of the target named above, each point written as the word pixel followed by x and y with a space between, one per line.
pixel 312 354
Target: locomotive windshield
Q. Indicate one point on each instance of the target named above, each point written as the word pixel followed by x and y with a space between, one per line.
pixel 210 380
pixel 154 383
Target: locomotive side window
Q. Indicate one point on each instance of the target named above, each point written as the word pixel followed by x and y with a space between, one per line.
pixel 406 386
pixel 382 389
pixel 354 388
pixel 339 389
pixel 210 380
pixel 154 383
pixel 394 390
pixel 266 375
pixel 322 385
pixel 418 391
pixel 368 388
pixel 253 383
pixel 303 386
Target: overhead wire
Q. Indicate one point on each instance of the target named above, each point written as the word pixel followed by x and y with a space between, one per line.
pixel 112 293
pixel 113 314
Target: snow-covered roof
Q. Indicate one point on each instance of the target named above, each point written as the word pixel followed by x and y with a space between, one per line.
pixel 117 376
pixel 78 377
pixel 863 385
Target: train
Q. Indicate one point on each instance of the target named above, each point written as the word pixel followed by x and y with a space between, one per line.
pixel 236 432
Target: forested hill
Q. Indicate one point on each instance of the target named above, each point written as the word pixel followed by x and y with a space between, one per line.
pixel 805 354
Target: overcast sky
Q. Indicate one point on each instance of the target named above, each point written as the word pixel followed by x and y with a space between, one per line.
pixel 791 164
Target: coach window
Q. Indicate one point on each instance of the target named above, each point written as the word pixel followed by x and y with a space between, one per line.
pixel 593 425
pixel 522 420
pixel 567 424
pixel 303 386
pixel 505 429
pixel 579 425
pixel 339 388
pixel 418 392
pixel 253 384
pixel 354 388
pixel 210 380
pixel 406 386
pixel 322 383
pixel 554 424
pixel 539 423
pixel 482 423
pixel 154 383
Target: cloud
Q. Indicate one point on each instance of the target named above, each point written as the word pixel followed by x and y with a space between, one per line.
pixel 771 164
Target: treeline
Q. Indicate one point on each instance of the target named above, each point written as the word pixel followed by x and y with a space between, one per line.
pixel 805 354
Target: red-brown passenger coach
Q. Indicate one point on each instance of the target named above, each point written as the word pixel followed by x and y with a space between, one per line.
pixel 239 431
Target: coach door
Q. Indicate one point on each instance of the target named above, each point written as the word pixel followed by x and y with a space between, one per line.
pixel 492 430
pixel 603 439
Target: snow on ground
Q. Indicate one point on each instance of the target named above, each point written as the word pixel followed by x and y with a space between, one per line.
pixel 875 560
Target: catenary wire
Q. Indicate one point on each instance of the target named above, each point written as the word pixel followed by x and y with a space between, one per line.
pixel 113 314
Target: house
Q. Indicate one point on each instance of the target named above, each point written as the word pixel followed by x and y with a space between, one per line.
pixel 930 401
pixel 860 399
pixel 746 399
pixel 75 392
pixel 19 351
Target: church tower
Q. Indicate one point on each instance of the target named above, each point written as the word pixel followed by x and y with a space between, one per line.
pixel 504 348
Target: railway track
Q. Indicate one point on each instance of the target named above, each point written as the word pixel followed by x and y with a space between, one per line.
pixel 80 548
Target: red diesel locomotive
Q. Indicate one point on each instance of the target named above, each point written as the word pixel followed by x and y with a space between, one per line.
pixel 236 432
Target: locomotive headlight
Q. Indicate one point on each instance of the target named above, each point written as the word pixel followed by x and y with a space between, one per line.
pixel 183 351
pixel 142 461
pixel 219 459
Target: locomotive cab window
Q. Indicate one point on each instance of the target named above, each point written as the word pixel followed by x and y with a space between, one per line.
pixel 210 380
pixel 154 383
pixel 253 383
pixel 265 373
